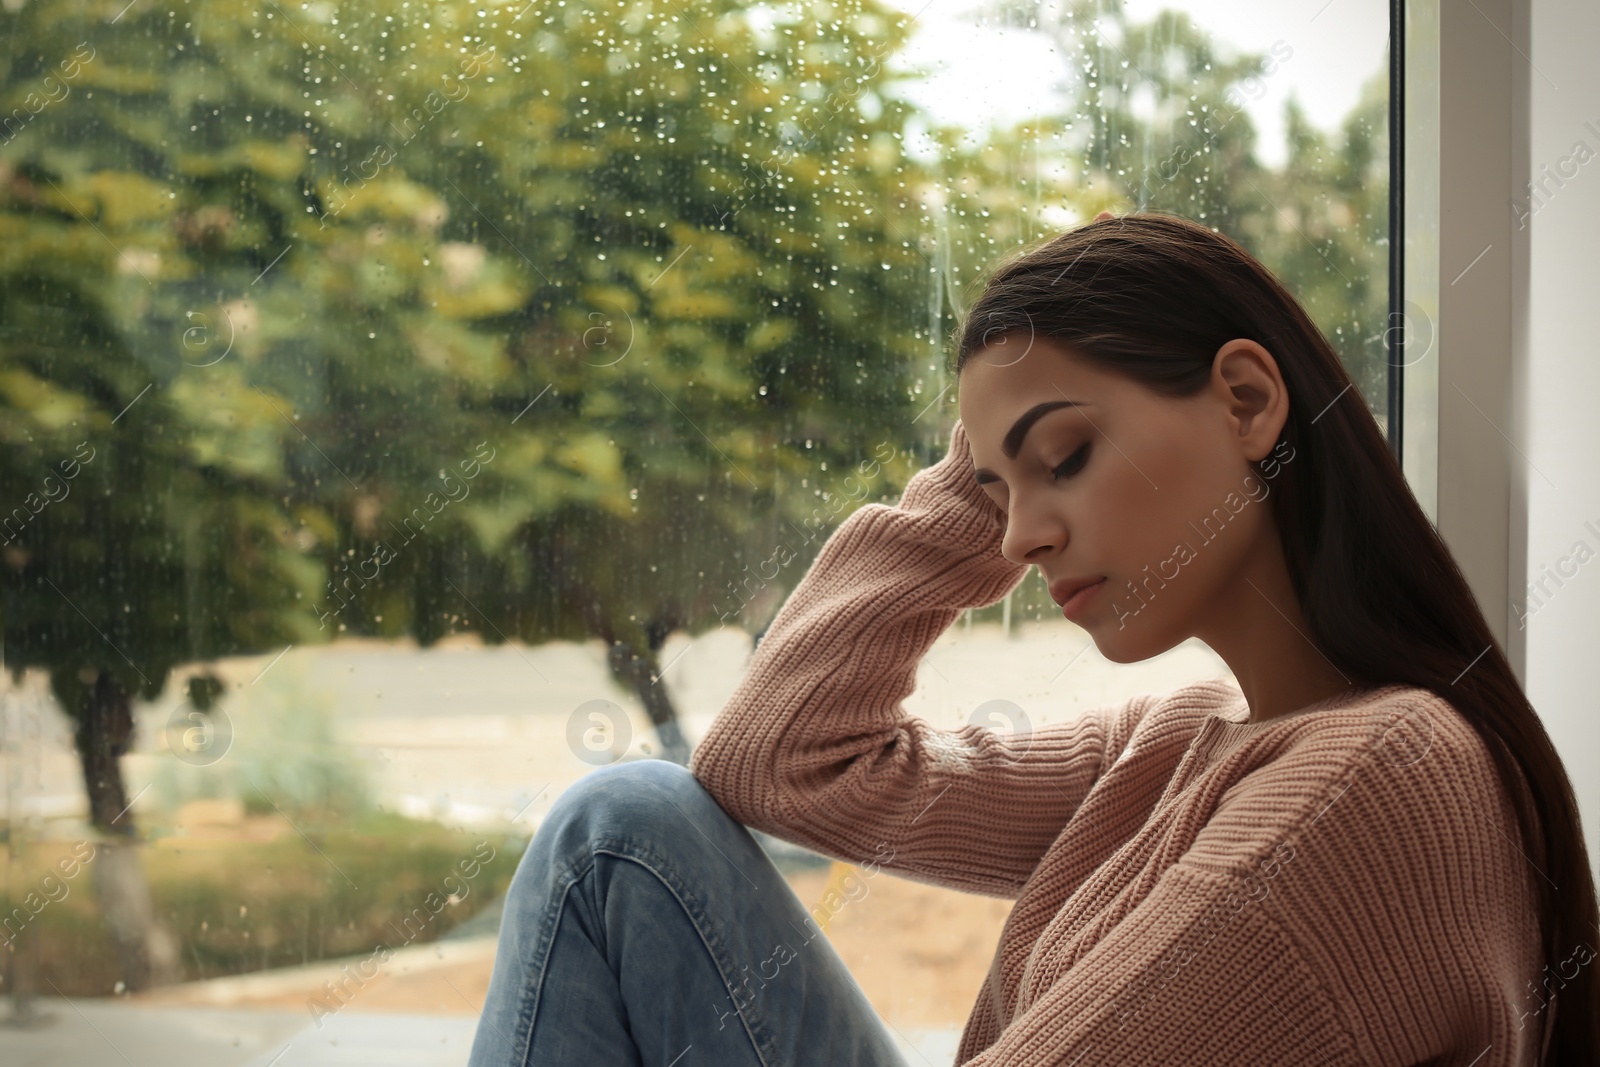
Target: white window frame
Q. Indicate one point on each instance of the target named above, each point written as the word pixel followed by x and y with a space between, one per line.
pixel 1466 271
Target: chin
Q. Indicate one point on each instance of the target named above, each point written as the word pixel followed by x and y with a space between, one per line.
pixel 1120 651
pixel 1132 643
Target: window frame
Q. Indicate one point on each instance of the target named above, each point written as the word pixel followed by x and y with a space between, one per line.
pixel 1465 156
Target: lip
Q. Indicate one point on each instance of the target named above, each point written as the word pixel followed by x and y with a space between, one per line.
pixel 1063 589
pixel 1078 602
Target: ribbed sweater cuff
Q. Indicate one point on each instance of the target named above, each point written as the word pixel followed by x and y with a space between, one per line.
pixel 944 508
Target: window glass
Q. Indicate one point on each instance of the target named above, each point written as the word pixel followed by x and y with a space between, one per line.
pixel 403 400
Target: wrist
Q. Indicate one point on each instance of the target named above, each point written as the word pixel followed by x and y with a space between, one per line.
pixel 948 485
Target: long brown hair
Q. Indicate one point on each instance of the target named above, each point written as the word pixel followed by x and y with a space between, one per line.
pixel 1153 297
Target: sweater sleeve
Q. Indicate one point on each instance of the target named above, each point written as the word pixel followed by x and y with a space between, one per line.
pixel 815 746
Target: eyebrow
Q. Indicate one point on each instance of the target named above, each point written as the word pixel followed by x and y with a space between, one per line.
pixel 1019 430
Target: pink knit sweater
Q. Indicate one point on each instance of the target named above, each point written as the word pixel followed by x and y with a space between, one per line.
pixel 1344 885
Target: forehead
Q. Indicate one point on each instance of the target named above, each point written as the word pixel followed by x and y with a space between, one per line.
pixel 1016 372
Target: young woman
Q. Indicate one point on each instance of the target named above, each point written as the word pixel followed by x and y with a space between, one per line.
pixel 1366 853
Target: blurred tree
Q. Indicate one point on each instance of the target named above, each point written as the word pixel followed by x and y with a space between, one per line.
pixel 142 526
pixel 723 286
pixel 395 321
pixel 1158 121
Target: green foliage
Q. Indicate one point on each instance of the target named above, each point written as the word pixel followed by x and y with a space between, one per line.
pixel 659 280
pixel 243 906
pixel 347 248
pixel 1158 122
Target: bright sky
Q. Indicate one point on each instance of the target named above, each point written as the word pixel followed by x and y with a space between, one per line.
pixel 990 74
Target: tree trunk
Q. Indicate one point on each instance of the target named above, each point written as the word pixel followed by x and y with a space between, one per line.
pixel 24 957
pixel 642 675
pixel 640 672
pixel 147 951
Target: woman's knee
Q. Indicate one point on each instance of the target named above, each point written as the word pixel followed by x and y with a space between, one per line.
pixel 637 797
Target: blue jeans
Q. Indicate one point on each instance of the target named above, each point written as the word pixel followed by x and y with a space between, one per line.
pixel 645 925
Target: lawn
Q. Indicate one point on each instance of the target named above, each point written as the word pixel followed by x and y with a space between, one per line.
pixel 261 895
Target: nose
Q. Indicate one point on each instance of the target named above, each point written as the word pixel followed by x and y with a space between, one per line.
pixel 1033 532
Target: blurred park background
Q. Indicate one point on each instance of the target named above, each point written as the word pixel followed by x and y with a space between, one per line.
pixel 402 403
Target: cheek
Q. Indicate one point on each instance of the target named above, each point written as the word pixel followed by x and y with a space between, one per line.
pixel 1167 540
pixel 1140 506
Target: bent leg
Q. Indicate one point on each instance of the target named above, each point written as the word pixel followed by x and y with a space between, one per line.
pixel 646 926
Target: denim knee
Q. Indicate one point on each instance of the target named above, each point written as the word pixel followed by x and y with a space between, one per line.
pixel 640 799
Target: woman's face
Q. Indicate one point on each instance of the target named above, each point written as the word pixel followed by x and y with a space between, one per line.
pixel 1160 497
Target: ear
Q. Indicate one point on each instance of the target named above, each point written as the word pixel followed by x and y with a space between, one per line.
pixel 1104 215
pixel 1247 380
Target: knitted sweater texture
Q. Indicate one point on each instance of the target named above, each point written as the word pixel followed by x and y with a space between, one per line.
pixel 1344 885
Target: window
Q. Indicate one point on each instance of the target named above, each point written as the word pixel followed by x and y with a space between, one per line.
pixel 399 397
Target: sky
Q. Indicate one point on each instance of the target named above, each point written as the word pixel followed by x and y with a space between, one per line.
pixel 992 74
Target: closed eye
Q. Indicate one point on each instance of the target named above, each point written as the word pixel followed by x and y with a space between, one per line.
pixel 1073 463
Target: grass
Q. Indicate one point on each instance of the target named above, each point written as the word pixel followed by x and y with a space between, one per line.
pixel 238 905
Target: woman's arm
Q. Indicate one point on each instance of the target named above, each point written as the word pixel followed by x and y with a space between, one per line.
pixel 815 745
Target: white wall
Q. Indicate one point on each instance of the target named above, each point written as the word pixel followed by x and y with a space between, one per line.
pixel 1560 405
